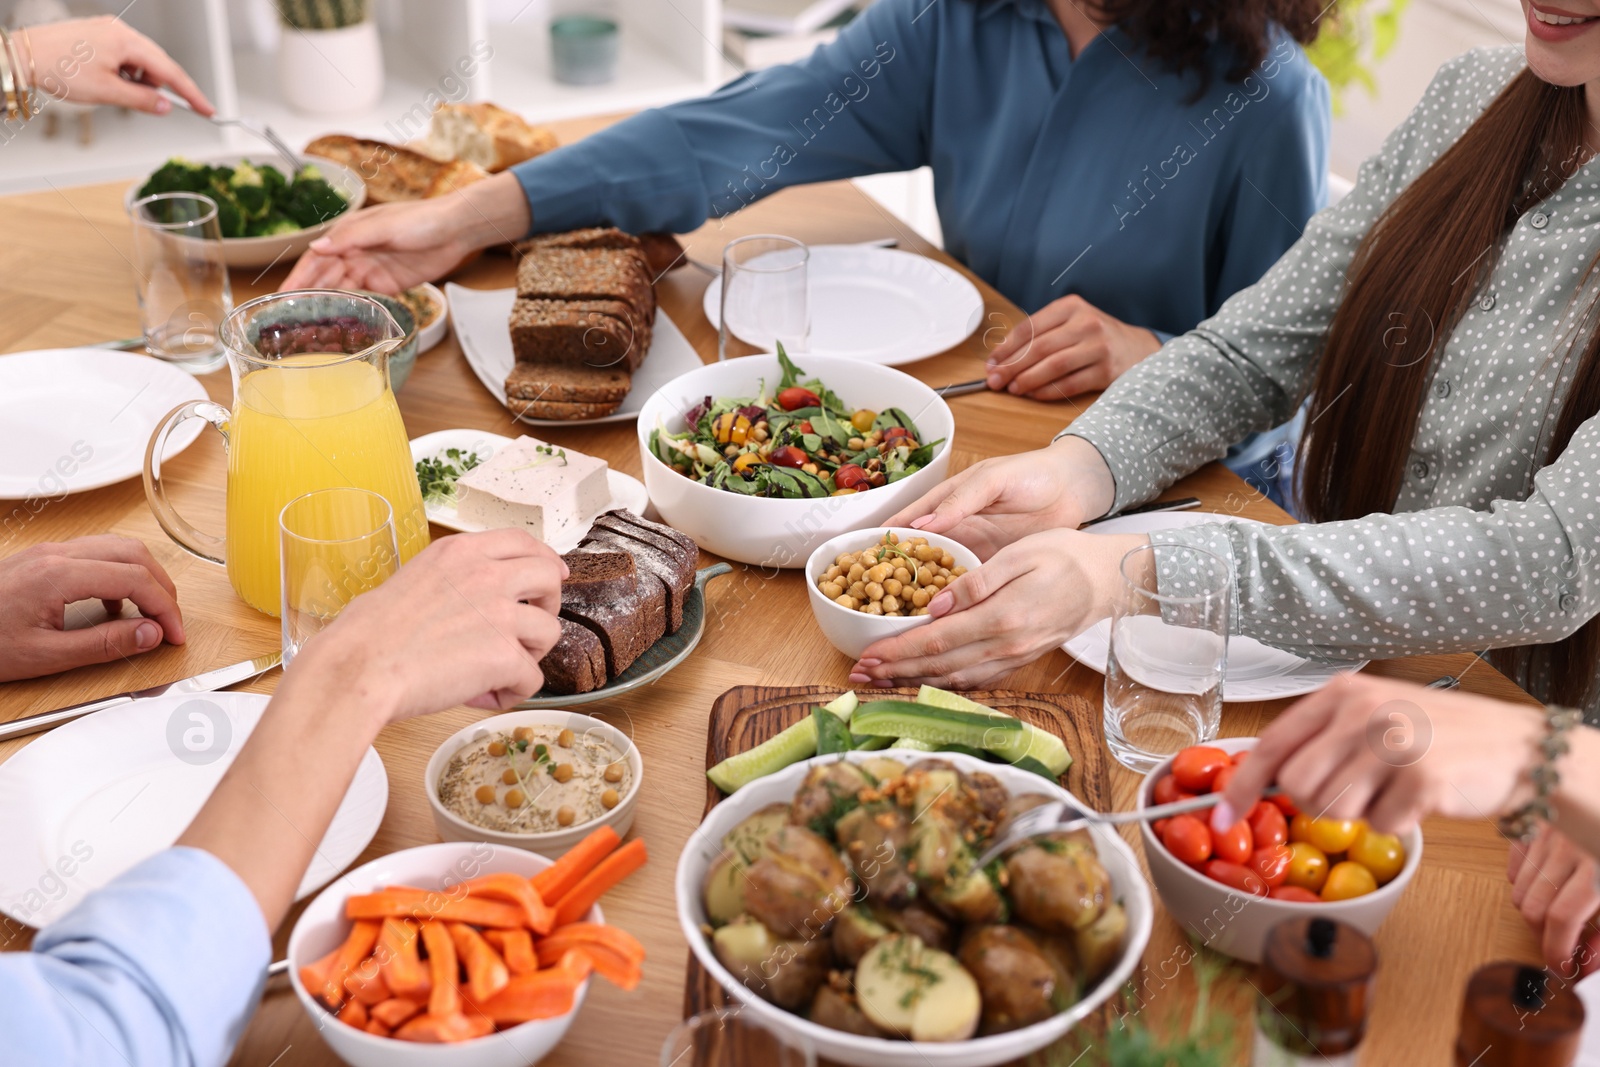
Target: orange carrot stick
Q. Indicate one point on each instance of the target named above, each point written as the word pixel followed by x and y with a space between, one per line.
pixel 354 1013
pixel 395 1010
pixel 612 937
pixel 577 901
pixel 611 965
pixel 554 881
pixel 365 982
pixel 486 971
pixel 315 975
pixel 425 905
pixel 357 947
pixel 516 948
pixel 541 995
pixel 445 997
pixel 442 1029
pixel 399 962
pixel 514 889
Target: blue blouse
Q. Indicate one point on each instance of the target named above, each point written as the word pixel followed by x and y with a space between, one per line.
pixel 1102 176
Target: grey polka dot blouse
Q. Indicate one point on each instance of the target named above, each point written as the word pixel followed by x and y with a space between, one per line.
pixel 1488 546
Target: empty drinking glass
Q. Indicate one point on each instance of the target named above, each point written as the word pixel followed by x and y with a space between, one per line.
pixel 182 279
pixel 765 296
pixel 1169 650
pixel 733 1037
pixel 336 545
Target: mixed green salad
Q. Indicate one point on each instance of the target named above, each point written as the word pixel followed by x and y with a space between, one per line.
pixel 799 441
pixel 253 199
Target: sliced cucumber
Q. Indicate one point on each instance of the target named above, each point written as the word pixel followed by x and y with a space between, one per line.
pixel 913 745
pixel 833 736
pixel 798 742
pixel 937 726
pixel 1040 745
pixel 863 743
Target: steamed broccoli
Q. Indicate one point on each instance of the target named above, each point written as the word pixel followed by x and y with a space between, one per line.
pixel 312 200
pixel 274 223
pixel 177 176
pixel 250 191
pixel 253 200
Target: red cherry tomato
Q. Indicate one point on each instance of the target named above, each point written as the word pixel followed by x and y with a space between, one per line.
pixel 1268 827
pixel 1272 864
pixel 1196 767
pixel 894 432
pixel 787 456
pixel 850 476
pixel 1166 789
pixel 1159 828
pixel 1224 776
pixel 794 398
pixel 1234 845
pixel 1235 876
pixel 1282 802
pixel 805 426
pixel 1295 894
pixel 1239 756
pixel 1188 839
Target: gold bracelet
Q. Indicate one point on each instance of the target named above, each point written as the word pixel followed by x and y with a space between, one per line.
pixel 8 83
pixel 33 72
pixel 1521 824
pixel 22 100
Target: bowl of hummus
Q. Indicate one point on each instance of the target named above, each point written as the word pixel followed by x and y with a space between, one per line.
pixel 539 780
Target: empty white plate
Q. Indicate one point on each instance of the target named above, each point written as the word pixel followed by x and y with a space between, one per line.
pixel 626 491
pixel 482 320
pixel 81 418
pixel 100 794
pixel 1255 671
pixel 881 305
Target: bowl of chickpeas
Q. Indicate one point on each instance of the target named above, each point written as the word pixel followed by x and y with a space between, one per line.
pixel 871 584
pixel 540 780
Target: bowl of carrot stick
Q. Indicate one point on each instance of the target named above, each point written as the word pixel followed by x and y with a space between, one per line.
pixel 462 954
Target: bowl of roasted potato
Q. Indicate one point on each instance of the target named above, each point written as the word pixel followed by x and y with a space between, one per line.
pixel 839 899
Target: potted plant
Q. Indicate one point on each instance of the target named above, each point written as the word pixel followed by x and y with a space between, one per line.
pixel 330 61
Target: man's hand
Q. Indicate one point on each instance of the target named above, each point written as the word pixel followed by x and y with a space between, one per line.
pixel 1067 347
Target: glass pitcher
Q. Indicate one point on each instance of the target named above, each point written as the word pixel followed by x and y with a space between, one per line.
pixel 312 409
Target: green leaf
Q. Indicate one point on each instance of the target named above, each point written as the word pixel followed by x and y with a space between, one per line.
pixel 791 373
pixel 833 736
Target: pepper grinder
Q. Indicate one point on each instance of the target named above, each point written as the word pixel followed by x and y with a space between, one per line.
pixel 1512 1018
pixel 1316 989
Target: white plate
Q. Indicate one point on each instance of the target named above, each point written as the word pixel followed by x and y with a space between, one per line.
pixel 482 322
pixel 626 491
pixel 881 305
pixel 100 794
pixel 81 418
pixel 1255 671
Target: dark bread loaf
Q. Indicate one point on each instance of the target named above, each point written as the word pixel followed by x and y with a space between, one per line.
pixel 560 409
pixel 587 274
pixel 577 663
pixel 603 592
pixel 686 544
pixel 675 579
pixel 557 383
pixel 604 334
pixel 589 237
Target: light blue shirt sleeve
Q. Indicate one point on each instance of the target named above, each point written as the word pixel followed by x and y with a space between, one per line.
pixel 161 968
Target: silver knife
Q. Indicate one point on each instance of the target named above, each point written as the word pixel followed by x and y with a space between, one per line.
pixel 206 682
pixel 977 385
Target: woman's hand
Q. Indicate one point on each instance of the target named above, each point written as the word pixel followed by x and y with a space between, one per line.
pixel 395 246
pixel 1026 600
pixel 1556 886
pixel 104 61
pixel 993 503
pixel 1390 753
pixel 38 583
pixel 1067 347
pixel 466 621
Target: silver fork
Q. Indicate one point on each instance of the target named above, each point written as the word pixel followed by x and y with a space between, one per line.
pixel 1046 819
pixel 260 129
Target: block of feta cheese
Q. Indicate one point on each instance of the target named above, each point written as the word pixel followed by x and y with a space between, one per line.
pixel 548 491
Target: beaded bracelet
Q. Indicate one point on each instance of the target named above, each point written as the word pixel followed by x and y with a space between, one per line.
pixel 8 81
pixel 1522 823
pixel 19 96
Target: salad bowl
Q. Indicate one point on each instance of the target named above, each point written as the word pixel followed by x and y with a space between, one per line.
pixel 773 531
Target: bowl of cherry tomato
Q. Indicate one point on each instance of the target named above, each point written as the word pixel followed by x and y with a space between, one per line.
pixel 1277 863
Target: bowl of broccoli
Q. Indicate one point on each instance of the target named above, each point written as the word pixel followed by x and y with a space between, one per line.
pixel 266 215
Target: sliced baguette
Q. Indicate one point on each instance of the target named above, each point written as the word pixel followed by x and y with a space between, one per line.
pixel 487 135
pixel 393 173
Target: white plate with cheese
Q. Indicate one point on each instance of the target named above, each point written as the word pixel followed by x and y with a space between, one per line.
pixel 624 491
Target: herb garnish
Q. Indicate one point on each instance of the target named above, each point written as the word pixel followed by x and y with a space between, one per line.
pixel 549 454
pixel 436 476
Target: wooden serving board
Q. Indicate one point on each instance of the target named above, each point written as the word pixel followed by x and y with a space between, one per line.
pixel 747 715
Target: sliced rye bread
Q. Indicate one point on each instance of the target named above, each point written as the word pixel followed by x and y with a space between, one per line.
pixel 555 410
pixel 589 237
pixel 685 543
pixel 588 274
pixel 577 663
pixel 603 592
pixel 651 558
pixel 566 384
pixel 582 334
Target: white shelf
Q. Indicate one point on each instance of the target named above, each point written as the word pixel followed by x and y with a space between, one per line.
pixel 126 145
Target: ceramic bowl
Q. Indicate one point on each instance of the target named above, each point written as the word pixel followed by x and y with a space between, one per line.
pixel 434 331
pixel 705 846
pixel 453 827
pixel 852 631
pixel 783 533
pixel 322 927
pixel 404 358
pixel 1237 925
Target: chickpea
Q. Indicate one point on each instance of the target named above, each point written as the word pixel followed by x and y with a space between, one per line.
pixel 947 561
pixel 919 540
pixel 940 580
pixel 924 575
pixel 957 571
pixel 891 605
pixel 485 794
pixel 920 598
pixel 730 451
pixel 565 739
pixel 855 444
pixel 515 799
pixel 879 573
pixel 855 572
pixel 565 816
pixel 858 590
pixel 523 733
pixel 759 433
pixel 609 799
pixel 614 772
pixel 874 591
pixel 890 537
pixel 497 748
pixel 562 773
pixel 809 468
pixel 924 553
pixel 831 590
pixel 845 559
pixel 509 776
pixel 873 608
pixel 833 572
pixel 919 611
pixel 846 601
pixel 892 586
pixel 844 492
pixel 902 575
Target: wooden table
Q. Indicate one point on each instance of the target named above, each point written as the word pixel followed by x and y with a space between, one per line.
pixel 65 280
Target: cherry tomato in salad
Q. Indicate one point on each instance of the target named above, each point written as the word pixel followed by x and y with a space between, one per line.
pixel 794 398
pixel 1267 825
pixel 850 476
pixel 1235 844
pixel 787 456
pixel 1272 864
pixel 1224 776
pixel 863 419
pixel 1382 854
pixel 1196 767
pixel 1329 835
pixel 1239 756
pixel 1348 880
pixel 1294 894
pixel 1166 789
pixel 1235 876
pixel 1282 802
pixel 1308 866
pixel 1159 828
pixel 1188 839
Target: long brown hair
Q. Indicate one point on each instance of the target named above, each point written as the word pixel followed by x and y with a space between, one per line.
pixel 1182 34
pixel 1410 281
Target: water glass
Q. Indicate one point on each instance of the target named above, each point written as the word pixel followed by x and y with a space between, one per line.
pixel 766 298
pixel 182 279
pixel 1169 650
pixel 733 1037
pixel 336 545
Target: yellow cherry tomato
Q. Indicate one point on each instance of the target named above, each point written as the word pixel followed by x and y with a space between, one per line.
pixel 1347 880
pixel 1331 835
pixel 745 461
pixel 1300 828
pixel 1308 866
pixel 1382 854
pixel 862 420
